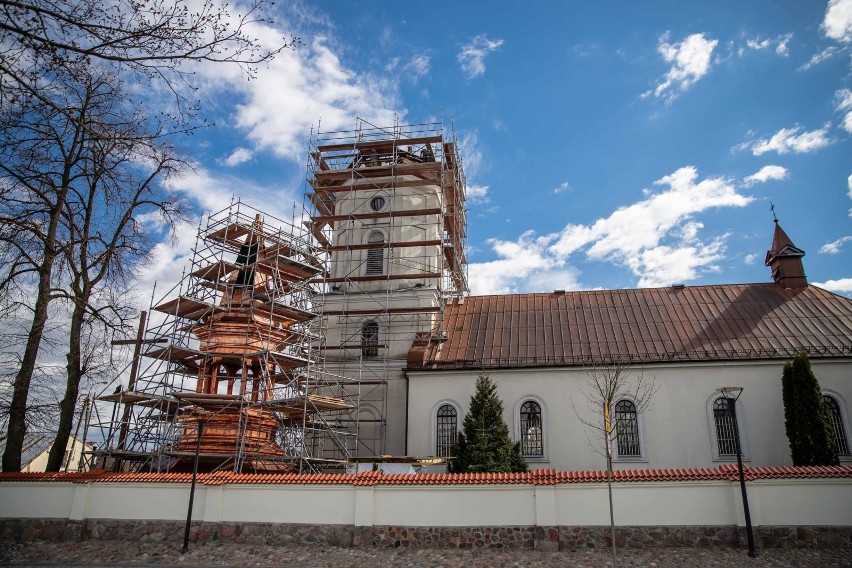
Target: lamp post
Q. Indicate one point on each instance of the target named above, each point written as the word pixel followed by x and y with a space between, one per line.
pixel 202 421
pixel 732 394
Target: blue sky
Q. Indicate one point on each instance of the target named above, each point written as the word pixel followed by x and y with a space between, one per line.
pixel 606 145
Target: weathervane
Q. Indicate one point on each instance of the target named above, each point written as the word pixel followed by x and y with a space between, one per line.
pixel 772 208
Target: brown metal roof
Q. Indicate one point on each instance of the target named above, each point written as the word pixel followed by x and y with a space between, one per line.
pixel 695 323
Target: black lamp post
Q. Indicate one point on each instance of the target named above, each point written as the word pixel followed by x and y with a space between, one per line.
pixel 201 423
pixel 728 393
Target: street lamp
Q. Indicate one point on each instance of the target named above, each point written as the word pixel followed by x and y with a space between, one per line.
pixel 732 394
pixel 202 421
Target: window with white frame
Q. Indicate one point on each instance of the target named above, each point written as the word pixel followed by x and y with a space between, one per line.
pixel 370 336
pixel 627 429
pixel 446 430
pixel 376 256
pixel 532 429
pixel 835 417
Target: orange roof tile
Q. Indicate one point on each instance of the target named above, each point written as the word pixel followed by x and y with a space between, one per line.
pixel 536 477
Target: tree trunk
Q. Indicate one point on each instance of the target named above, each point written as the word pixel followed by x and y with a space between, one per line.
pixel 72 388
pixel 18 408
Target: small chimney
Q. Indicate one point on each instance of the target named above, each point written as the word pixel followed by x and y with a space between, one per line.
pixel 785 261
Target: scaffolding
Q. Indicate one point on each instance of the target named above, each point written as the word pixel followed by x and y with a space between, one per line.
pixel 386 206
pixel 229 369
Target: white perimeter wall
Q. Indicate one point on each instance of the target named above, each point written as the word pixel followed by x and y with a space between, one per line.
pixel 822 502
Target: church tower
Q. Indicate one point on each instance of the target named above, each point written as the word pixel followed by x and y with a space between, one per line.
pixel 785 261
pixel 389 211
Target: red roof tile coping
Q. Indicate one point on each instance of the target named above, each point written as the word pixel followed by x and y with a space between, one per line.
pixel 537 477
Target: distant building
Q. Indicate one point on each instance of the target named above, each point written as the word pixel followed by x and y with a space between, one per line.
pixel 37 447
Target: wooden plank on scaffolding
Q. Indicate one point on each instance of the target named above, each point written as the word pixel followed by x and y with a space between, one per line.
pixel 206 399
pixel 127 397
pixel 379 215
pixel 185 307
pixel 231 234
pixel 376 311
pixel 281 312
pixel 395 244
pixel 313 403
pixel 367 184
pixel 378 144
pixel 379 171
pixel 287 267
pixel 320 161
pixel 414 276
pixel 316 231
pixel 176 354
pixel 215 271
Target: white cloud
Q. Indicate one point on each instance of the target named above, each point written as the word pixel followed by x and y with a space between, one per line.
pixel 418 66
pixel 657 239
pixel 838 20
pixel 840 286
pixel 789 140
pixel 298 88
pixel 844 104
pixel 478 194
pixel 759 44
pixel 690 59
pixel 522 265
pixel 750 258
pixel 849 186
pixel 237 157
pixel 472 54
pixel 469 148
pixel 834 246
pixel 562 187
pixel 765 174
pixel 818 58
pixel 781 48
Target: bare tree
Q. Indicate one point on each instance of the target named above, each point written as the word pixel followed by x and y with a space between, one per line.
pixel 56 126
pixel 108 218
pixel 608 384
pixel 78 187
pixel 153 39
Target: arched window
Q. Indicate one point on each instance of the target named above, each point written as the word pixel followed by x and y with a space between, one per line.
pixel 836 419
pixel 446 430
pixel 376 256
pixel 532 433
pixel 627 429
pixel 370 336
pixel 725 432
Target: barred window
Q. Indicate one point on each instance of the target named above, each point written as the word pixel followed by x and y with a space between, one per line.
pixel 532 439
pixel 446 430
pixel 376 256
pixel 627 429
pixel 370 336
pixel 725 432
pixel 836 420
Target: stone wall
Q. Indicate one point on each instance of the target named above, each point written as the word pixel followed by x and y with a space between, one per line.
pixel 519 537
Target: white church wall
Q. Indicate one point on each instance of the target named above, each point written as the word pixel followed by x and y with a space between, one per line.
pixel 677 427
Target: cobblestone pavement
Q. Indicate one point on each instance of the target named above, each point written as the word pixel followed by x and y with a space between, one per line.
pixel 118 553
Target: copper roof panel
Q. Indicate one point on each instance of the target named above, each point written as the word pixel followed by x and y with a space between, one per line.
pixel 739 321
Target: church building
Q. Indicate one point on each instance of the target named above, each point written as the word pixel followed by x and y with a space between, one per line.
pixel 389 210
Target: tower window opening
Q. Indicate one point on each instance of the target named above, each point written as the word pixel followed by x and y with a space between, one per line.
pixel 376 256
pixel 370 336
pixel 377 203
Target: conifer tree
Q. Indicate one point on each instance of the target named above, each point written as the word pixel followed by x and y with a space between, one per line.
pixel 484 445
pixel 805 416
